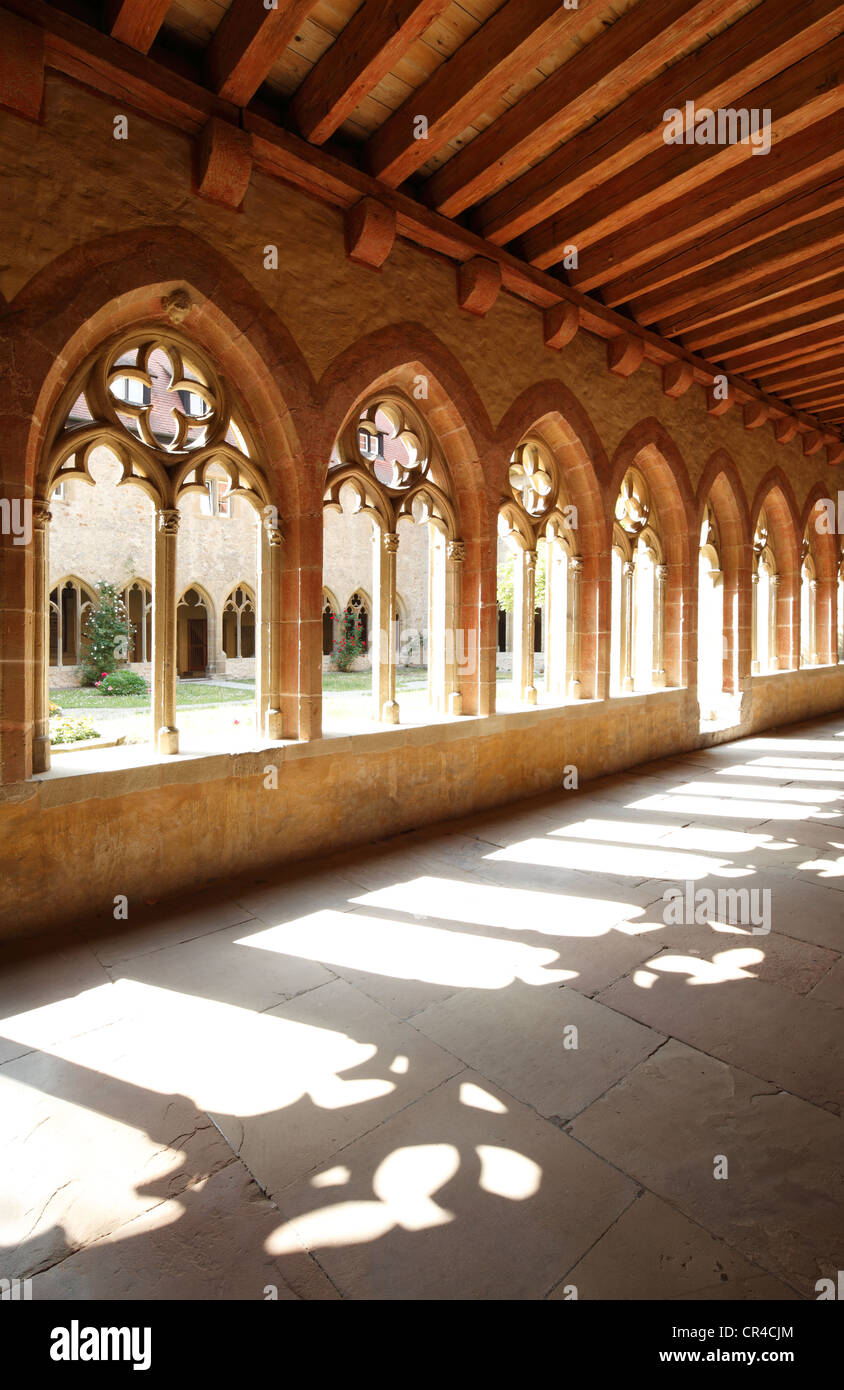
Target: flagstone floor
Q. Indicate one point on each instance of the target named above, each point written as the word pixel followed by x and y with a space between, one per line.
pixel 491 1060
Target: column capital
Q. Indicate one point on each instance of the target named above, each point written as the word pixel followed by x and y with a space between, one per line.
pixel 628 567
pixel 457 551
pixel 575 563
pixel 167 519
pixel 391 542
pixel 662 573
pixel 41 513
pixel 274 534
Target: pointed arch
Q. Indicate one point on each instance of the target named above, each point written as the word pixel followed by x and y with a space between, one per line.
pixel 649 448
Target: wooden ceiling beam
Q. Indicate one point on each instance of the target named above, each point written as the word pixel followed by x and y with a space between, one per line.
pixel 758 291
pixel 376 38
pixel 136 22
pixel 826 353
pixel 746 346
pixel 248 41
pixel 769 354
pixel 777 253
pixel 516 38
pixel 602 73
pixel 641 257
pixel 832 381
pixel 818 404
pixel 769 39
pixel 777 310
pixel 795 377
pixel 798 99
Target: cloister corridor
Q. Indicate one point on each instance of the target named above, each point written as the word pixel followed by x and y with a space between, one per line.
pixel 355 1079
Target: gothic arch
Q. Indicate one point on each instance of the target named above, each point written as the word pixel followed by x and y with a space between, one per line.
pixel 649 448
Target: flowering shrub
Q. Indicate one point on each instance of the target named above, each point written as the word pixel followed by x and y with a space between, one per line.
pixel 74 730
pixel 106 635
pixel 54 709
pixel 351 643
pixel 121 683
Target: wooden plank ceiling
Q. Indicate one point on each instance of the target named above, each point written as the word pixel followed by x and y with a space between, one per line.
pixel 545 130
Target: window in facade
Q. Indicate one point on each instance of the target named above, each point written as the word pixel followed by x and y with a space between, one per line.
pixel 765 581
pixel 70 604
pixel 388 506
pixel 154 403
pixel 639 576
pixel 137 598
pixel 538 581
pixel 808 603
pixel 710 619
pixel 239 623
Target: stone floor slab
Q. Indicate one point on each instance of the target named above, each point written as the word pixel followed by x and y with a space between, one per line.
pixel 653 1251
pixel 522 1040
pixel 464 1195
pixel 207 1243
pixel 666 1124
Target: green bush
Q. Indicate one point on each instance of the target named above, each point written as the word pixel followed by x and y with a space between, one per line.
pixel 73 731
pixel 121 683
pixel 106 635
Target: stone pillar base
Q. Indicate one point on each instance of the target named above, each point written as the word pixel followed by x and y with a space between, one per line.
pixel 455 702
pixel 390 712
pixel 168 740
pixel 530 695
pixel 41 754
pixel 273 724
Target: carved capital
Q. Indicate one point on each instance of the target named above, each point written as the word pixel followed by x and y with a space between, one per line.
pixel 457 551
pixel 662 573
pixel 628 567
pixel 41 514
pixel 391 542
pixel 274 534
pixel 168 521
pixel 576 564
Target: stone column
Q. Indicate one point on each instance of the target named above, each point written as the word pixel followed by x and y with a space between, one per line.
pixel 628 571
pixel 524 583
pixel 556 626
pixel 660 579
pixel 575 581
pixel 813 623
pixel 455 557
pixel 268 674
pixel 383 640
pixel 164 655
pixel 41 636
pixel 773 624
pixel 754 623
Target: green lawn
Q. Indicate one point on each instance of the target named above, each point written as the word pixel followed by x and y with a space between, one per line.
pixel 406 677
pixel 187 693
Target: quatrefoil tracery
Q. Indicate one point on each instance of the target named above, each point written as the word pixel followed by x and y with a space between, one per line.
pixel 391 444
pixel 531 478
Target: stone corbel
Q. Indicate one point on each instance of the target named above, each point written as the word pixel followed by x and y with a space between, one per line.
pixel 370 230
pixel 560 324
pixel 225 163
pixel 677 377
pixel 785 429
pixel 478 285
pixel 625 354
